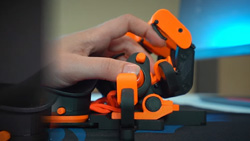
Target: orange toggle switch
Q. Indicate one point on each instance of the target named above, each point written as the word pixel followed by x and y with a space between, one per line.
pixel 140 58
pixel 61 111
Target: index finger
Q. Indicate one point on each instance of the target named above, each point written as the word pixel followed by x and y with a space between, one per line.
pixel 118 27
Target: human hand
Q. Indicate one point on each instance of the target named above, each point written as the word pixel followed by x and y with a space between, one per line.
pixel 85 55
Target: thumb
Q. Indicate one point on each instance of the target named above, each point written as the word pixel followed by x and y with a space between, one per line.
pixel 105 68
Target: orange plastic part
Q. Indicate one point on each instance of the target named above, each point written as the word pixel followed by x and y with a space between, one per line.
pixel 140 58
pixel 158 72
pixel 172 28
pixel 140 79
pixel 162 51
pixel 166 108
pixel 65 119
pixel 99 105
pixel 4 135
pixel 111 99
pixel 104 109
pixel 133 36
pixel 126 80
pixel 61 111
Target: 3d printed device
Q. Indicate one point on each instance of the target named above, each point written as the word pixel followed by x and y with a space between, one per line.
pixel 136 102
pixel 132 103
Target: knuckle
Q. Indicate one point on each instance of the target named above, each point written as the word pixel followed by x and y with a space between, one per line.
pixel 127 16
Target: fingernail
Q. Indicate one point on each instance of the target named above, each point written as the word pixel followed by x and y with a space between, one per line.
pixel 131 68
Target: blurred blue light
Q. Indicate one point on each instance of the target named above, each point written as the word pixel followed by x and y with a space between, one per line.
pixel 217 24
pixel 234 34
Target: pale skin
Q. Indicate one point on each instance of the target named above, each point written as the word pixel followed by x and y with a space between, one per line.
pixel 87 54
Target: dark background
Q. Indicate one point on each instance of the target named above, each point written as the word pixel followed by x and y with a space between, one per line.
pixel 20 39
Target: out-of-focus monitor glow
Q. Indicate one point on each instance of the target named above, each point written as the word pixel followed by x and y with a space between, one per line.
pixel 219 28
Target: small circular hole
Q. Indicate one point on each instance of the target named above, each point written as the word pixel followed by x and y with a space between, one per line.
pixel 180 30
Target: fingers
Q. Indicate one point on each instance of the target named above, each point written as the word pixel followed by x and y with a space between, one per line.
pixel 74 65
pixel 106 68
pixel 84 68
pixel 118 27
pixel 129 47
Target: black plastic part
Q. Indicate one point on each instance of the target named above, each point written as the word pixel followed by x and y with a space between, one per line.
pixel 172 55
pixel 150 124
pixel 180 81
pixel 102 121
pixel 26 97
pixel 185 69
pixel 189 118
pixel 127 134
pixel 127 115
pixel 169 85
pixel 145 67
pixel 127 108
pixel 153 104
pixel 155 27
pixel 160 57
pixel 24 126
pixel 73 105
pixel 186 118
pixel 104 87
pixel 74 125
pixel 75 99
pixel 22 107
pixel 81 88
pixel 142 44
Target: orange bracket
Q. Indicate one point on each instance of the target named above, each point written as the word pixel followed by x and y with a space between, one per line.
pixel 167 107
